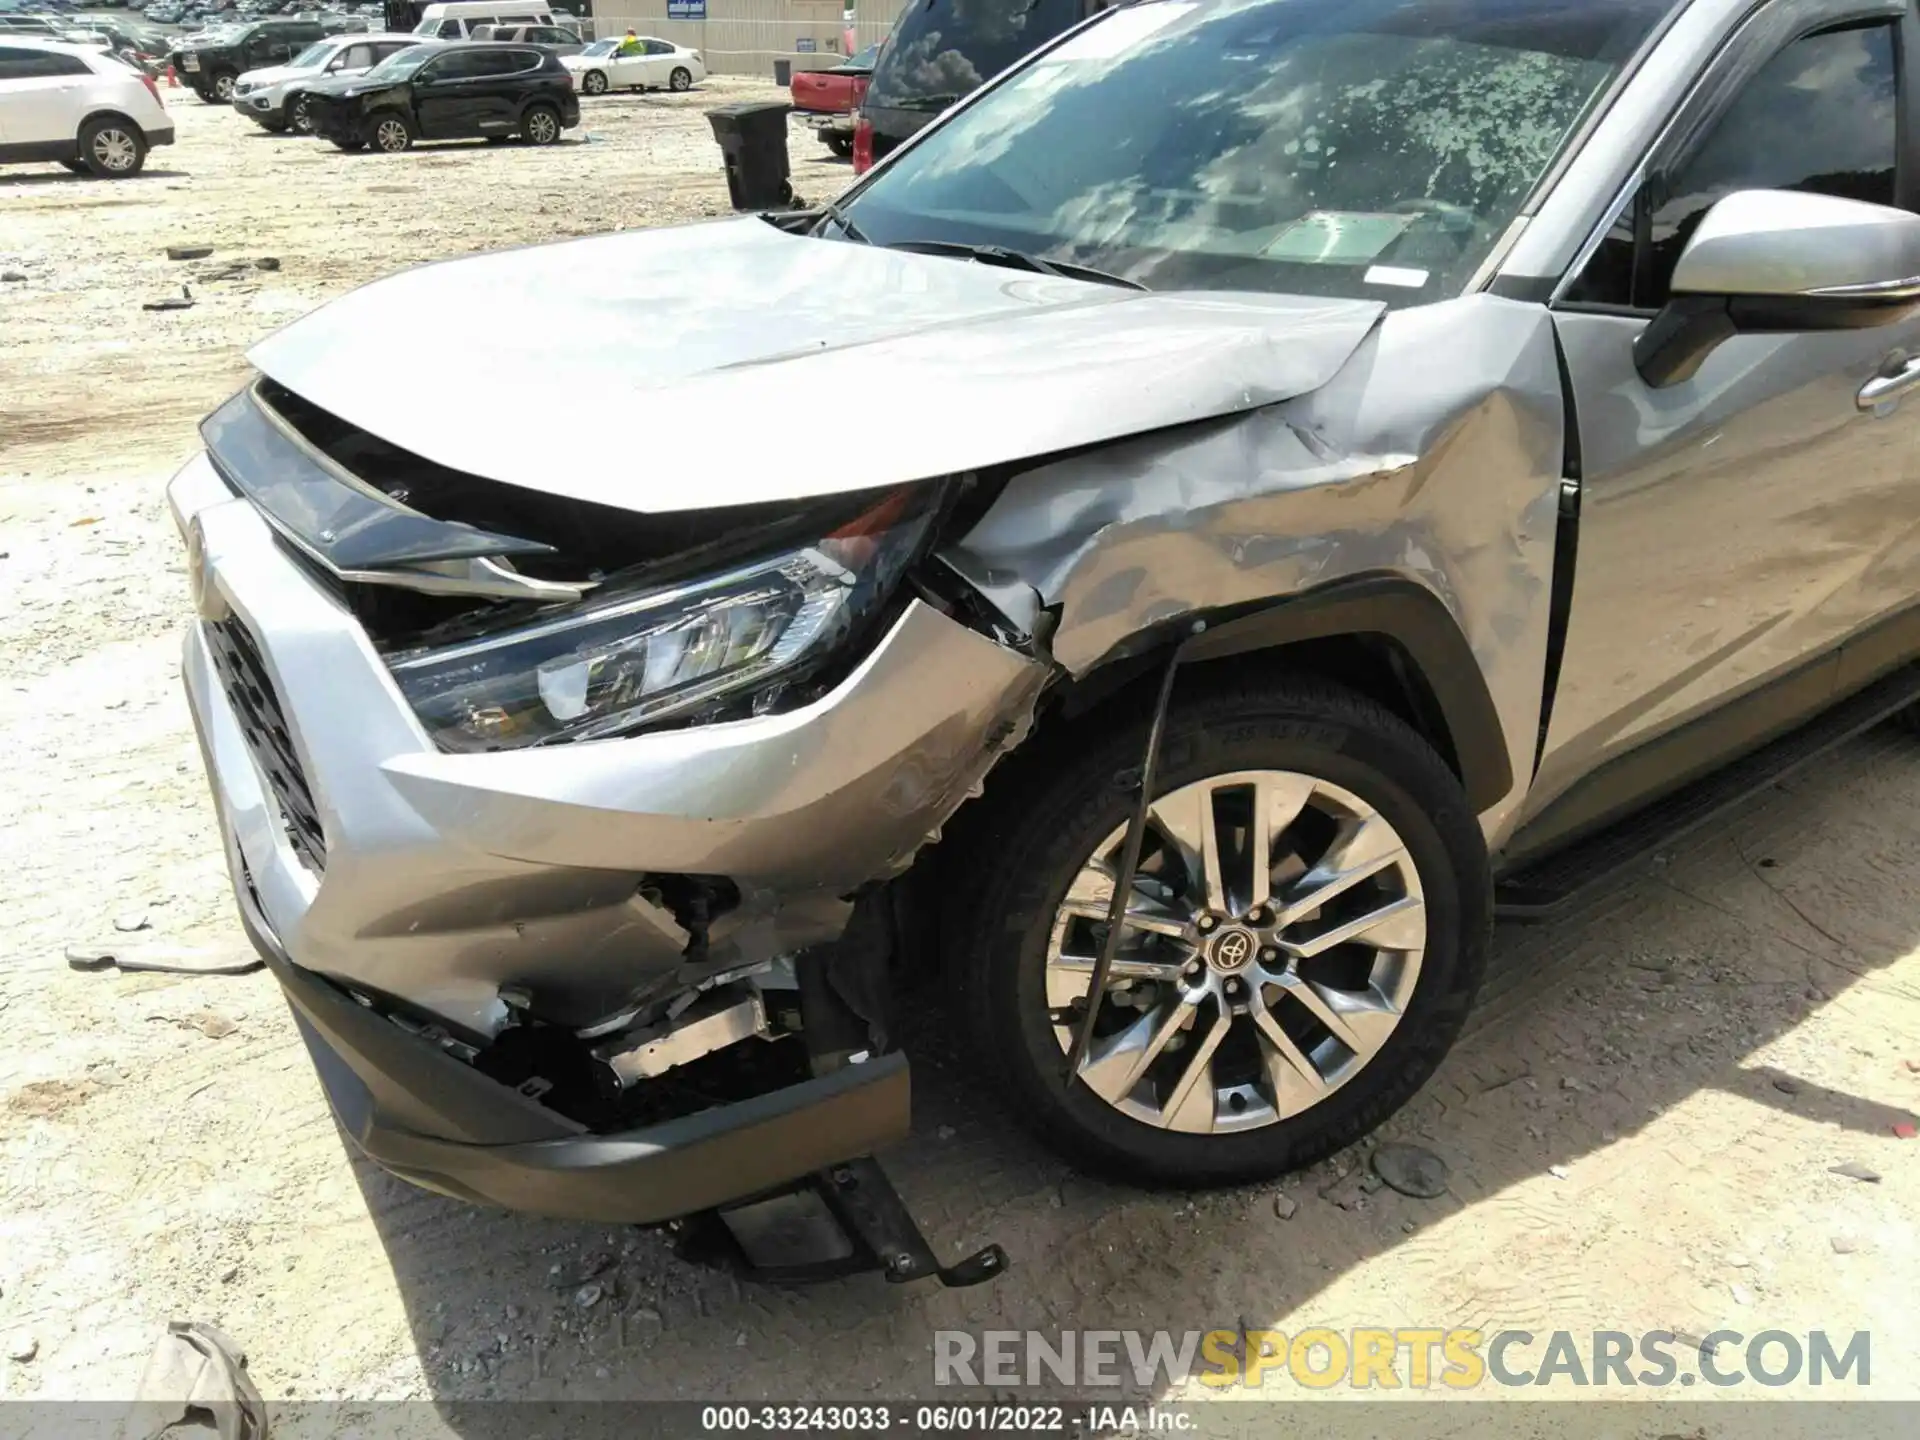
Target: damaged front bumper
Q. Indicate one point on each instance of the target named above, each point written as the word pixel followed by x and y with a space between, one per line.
pixel 387 881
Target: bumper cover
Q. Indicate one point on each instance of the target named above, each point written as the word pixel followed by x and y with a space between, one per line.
pixel 159 135
pixel 265 108
pixel 436 1122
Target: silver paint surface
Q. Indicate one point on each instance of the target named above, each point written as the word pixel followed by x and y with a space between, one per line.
pixel 1445 474
pixel 725 341
pixel 450 876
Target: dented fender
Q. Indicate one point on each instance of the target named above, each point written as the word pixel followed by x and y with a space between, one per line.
pixel 1432 458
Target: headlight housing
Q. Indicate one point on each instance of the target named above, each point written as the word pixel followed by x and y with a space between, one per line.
pixel 630 659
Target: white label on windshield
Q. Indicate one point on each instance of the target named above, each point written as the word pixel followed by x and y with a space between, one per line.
pixel 1400 275
pixel 1121 31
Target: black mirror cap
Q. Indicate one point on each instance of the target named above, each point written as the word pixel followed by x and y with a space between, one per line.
pixel 1691 327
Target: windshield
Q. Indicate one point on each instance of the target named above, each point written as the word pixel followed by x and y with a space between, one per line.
pixel 600 47
pixel 314 56
pixel 864 60
pixel 1354 148
pixel 401 63
pixel 941 50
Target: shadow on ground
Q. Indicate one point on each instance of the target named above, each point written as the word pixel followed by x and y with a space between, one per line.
pixel 1590 1027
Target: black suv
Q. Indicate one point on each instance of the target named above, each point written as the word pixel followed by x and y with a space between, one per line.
pixel 448 92
pixel 212 68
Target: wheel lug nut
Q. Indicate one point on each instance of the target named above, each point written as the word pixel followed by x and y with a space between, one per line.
pixel 1268 955
pixel 1233 987
pixel 1207 922
pixel 1257 915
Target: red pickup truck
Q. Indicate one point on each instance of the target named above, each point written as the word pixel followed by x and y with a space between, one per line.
pixel 826 100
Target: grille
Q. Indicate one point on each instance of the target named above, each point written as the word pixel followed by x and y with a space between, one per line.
pixel 251 693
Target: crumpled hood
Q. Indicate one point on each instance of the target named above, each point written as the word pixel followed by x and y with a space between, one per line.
pixel 730 363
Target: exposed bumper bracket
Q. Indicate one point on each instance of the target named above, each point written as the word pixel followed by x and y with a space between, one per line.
pixel 842 1221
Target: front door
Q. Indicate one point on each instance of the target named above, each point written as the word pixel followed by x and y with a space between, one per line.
pixel 1737 526
pixel 445 96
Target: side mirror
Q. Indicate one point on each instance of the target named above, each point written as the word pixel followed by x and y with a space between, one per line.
pixel 1770 262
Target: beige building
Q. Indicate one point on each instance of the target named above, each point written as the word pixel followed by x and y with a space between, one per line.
pixel 745 37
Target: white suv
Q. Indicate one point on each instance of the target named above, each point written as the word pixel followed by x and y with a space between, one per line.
pixel 275 96
pixel 79 107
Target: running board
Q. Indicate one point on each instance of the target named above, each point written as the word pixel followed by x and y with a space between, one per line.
pixel 1541 887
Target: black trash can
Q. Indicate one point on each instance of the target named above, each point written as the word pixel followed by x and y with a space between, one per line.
pixel 783 73
pixel 753 142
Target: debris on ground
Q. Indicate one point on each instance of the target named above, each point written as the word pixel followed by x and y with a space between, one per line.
pixel 169 302
pixel 13 277
pixel 22 1347
pixel 589 1295
pixel 196 1379
pixel 188 252
pixel 1854 1170
pixel 1843 1243
pixel 1786 1084
pixel 130 922
pixel 1410 1169
pixel 162 959
pixel 1285 1206
pixel 1903 1129
pixel 1558 1172
pixel 266 262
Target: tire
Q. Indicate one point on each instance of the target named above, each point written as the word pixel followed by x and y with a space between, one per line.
pixel 1042 822
pixel 274 127
pixel 300 114
pixel 841 145
pixel 220 85
pixel 112 148
pixel 76 167
pixel 681 79
pixel 390 133
pixel 540 125
pixel 594 82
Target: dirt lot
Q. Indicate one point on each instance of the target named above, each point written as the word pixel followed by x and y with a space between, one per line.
pixel 1640 1125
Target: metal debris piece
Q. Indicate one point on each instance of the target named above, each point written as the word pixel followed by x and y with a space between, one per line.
pixel 1854 1170
pixel 161 959
pixel 188 252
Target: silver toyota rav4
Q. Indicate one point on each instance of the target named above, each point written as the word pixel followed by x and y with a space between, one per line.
pixel 1328 470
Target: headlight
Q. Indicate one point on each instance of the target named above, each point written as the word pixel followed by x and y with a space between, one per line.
pixel 607 667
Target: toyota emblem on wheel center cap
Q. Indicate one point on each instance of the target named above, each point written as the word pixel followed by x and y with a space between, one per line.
pixel 1232 949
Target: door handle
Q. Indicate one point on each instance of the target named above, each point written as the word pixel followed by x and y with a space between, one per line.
pixel 1889 384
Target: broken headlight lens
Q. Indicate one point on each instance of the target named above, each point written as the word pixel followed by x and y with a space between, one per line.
pixel 608 667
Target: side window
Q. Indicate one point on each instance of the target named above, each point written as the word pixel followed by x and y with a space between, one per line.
pixel 659 47
pixel 449 30
pixel 1820 117
pixel 457 66
pixel 18 64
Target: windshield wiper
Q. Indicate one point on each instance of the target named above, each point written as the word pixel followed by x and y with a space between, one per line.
pixel 920 104
pixel 852 231
pixel 1016 260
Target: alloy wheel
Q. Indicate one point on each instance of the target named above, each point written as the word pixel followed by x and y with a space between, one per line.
pixel 302 117
pixel 114 150
pixel 223 88
pixel 1272 942
pixel 542 128
pixel 680 79
pixel 595 83
pixel 391 135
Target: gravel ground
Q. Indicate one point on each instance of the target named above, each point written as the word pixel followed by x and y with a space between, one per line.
pixel 1640 1125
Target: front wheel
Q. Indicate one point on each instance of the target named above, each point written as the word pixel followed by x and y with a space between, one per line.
pixel 1304 935
pixel 300 114
pixel 223 83
pixel 594 82
pixel 390 134
pixel 681 79
pixel 540 125
pixel 112 149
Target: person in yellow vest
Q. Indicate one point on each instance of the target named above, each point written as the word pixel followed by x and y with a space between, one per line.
pixel 629 46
